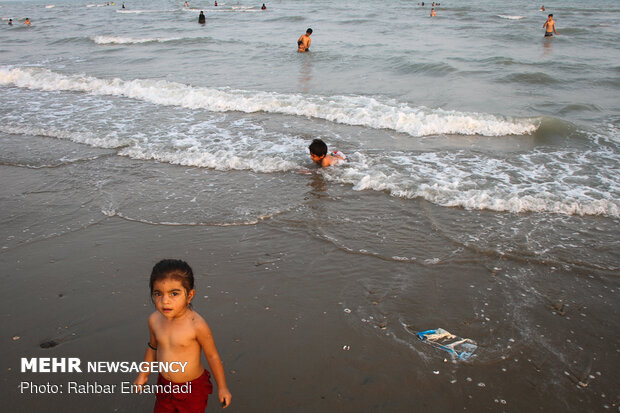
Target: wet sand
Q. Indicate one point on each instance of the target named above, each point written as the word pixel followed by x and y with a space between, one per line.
pixel 278 303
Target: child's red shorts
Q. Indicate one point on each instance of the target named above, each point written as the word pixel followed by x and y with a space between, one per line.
pixel 190 402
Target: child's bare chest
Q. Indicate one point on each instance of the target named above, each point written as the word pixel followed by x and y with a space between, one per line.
pixel 175 337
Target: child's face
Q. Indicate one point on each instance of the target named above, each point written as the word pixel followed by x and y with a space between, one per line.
pixel 170 297
pixel 316 158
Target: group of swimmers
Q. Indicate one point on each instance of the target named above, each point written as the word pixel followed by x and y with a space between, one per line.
pixel 26 22
pixel 433 12
pixel 202 18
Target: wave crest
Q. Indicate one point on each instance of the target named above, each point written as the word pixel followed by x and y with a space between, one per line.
pixel 131 40
pixel 351 110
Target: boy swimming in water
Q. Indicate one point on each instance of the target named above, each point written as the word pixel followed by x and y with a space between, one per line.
pixel 179 334
pixel 318 153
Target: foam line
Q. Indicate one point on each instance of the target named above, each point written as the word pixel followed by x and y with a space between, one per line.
pixel 351 110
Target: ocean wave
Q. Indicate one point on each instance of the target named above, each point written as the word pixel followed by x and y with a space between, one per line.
pixel 556 182
pixel 293 19
pixel 131 40
pixel 508 17
pixel 428 69
pixel 60 163
pixel 245 8
pixel 219 9
pixel 537 78
pixel 364 111
pixel 221 160
pixel 89 138
pixel 111 213
pixel 142 11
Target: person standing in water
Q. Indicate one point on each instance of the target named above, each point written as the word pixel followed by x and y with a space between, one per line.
pixel 201 18
pixel 27 22
pixel 549 26
pixel 303 44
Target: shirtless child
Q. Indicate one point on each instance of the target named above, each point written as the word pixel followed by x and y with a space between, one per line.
pixel 549 26
pixel 303 43
pixel 318 153
pixel 178 333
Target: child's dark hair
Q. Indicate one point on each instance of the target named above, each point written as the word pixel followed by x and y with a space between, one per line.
pixel 318 147
pixel 309 31
pixel 173 269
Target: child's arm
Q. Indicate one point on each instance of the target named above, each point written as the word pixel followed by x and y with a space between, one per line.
pixel 205 339
pixel 149 356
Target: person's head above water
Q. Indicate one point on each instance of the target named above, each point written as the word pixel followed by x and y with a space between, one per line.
pixel 318 148
pixel 309 31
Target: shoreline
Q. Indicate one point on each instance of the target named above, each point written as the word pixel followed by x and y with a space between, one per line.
pixel 281 325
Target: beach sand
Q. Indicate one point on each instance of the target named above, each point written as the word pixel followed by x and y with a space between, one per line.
pixel 278 303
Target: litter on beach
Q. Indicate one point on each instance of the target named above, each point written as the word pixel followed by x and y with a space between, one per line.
pixel 460 348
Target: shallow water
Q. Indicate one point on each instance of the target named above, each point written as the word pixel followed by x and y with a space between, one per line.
pixel 385 85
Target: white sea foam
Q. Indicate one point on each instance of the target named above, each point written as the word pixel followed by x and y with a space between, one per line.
pixel 88 138
pixel 478 182
pixel 222 159
pixel 503 16
pixel 557 181
pixel 352 110
pixel 131 40
pixel 245 8
pixel 110 213
pixel 141 11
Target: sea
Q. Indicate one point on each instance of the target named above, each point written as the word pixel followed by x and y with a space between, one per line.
pixel 470 138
